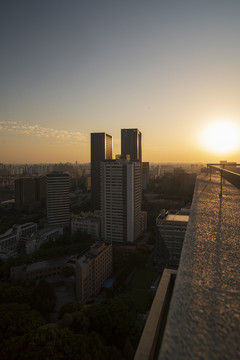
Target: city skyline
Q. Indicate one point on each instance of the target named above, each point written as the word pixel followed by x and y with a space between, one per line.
pixel 67 69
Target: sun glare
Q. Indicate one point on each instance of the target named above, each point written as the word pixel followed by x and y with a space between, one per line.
pixel 221 137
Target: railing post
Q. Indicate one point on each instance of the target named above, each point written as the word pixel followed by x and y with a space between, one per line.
pixel 221 182
pixel 210 173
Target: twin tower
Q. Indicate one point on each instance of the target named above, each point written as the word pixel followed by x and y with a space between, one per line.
pixel 116 185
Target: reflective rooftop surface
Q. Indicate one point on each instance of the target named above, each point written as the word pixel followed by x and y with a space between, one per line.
pixel 204 316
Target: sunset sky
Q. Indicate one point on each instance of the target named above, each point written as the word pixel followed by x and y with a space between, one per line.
pixel 69 67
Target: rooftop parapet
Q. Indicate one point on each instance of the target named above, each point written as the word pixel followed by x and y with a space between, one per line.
pixel 203 320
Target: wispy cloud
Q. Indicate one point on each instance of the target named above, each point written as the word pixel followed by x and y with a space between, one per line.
pixel 39 131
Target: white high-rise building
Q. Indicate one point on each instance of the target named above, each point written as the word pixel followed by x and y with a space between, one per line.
pixel 121 199
pixel 58 210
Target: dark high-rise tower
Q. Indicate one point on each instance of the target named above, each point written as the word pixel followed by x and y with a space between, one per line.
pixel 58 211
pixel 131 144
pixel 30 193
pixel 101 149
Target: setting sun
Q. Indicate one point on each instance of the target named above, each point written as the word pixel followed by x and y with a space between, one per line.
pixel 221 137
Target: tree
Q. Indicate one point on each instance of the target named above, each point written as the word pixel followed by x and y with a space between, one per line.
pixel 18 319
pixel 70 308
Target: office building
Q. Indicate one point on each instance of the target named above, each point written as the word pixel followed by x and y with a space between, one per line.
pixel 131 144
pixel 101 149
pixel 58 212
pixel 92 270
pixel 121 200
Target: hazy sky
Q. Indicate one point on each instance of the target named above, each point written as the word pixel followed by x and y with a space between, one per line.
pixel 71 67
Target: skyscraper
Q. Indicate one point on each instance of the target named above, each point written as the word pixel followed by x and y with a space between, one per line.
pixel 58 212
pixel 121 200
pixel 101 149
pixel 131 144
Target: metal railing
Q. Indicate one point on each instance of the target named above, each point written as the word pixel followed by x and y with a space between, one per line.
pixel 231 176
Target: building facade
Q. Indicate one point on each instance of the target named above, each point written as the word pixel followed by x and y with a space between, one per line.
pixel 58 206
pixel 101 149
pixel 92 270
pixel 87 222
pixel 121 200
pixel 131 144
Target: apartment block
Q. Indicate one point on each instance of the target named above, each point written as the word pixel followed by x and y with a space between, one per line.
pixel 92 270
pixel 121 200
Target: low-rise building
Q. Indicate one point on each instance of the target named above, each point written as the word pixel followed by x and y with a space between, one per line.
pixel 171 230
pixel 25 239
pixel 87 222
pixel 48 269
pixel 33 243
pixel 9 241
pixel 92 270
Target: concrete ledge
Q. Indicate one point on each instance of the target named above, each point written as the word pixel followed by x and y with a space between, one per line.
pixel 153 330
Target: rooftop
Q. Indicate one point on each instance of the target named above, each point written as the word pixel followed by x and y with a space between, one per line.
pixel 177 217
pixel 48 263
pixel 204 315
